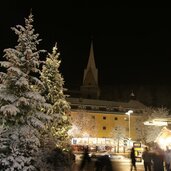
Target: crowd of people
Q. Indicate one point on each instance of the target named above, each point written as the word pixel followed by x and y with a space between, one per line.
pixel 154 159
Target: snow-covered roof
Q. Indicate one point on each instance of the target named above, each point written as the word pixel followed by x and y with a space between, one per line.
pixel 132 104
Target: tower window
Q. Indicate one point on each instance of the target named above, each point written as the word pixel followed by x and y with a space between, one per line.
pixel 116 118
pixel 104 117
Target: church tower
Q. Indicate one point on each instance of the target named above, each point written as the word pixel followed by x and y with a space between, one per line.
pixel 90 88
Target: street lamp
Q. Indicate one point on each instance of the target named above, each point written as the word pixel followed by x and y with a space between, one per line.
pixel 129 114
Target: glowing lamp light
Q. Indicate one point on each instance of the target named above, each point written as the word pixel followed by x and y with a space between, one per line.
pixel 129 112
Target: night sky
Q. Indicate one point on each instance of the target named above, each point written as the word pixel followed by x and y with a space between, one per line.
pixel 131 45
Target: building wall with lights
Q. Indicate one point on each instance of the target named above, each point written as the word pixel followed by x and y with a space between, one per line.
pixel 105 117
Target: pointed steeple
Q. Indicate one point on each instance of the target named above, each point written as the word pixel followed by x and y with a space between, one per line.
pixel 91 72
pixel 91 62
pixel 90 88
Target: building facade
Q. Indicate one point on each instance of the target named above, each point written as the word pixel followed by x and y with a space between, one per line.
pixel 101 122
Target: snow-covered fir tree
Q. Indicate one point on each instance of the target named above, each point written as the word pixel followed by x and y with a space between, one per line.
pixel 57 142
pixel 54 93
pixel 22 116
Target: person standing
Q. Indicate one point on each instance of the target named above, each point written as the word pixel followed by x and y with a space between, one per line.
pixel 86 159
pixel 133 159
pixel 146 156
pixel 158 159
pixel 167 159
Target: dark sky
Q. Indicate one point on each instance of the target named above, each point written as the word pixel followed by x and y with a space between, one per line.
pixel 131 45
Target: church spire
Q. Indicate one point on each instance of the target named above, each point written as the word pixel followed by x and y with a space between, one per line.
pixel 91 62
pixel 91 70
pixel 90 88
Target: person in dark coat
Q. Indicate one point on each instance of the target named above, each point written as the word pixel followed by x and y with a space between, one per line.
pixel 86 159
pixel 147 157
pixel 158 159
pixel 133 159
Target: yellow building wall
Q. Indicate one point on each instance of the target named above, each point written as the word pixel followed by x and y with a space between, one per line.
pixel 110 121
